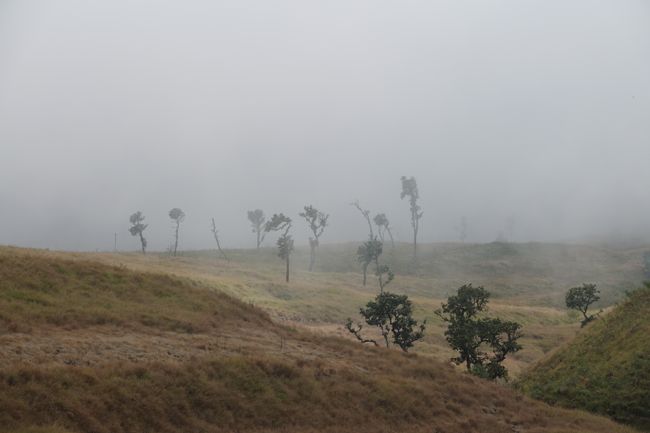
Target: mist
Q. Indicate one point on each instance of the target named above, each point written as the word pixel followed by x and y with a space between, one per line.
pixel 534 111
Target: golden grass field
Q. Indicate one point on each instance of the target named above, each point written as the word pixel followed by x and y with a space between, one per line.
pixel 95 342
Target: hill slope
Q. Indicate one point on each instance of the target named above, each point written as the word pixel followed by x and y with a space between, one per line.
pixel 86 347
pixel 606 369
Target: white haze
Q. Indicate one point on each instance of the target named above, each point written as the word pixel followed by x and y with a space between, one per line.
pixel 532 109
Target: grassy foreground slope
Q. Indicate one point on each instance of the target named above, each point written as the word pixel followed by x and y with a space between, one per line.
pixel 606 369
pixel 86 347
pixel 528 283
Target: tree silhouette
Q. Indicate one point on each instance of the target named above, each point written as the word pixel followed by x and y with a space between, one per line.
pixel 215 233
pixel 137 228
pixel 383 225
pixel 257 220
pixel 282 223
pixel 177 216
pixel 317 222
pixel 410 190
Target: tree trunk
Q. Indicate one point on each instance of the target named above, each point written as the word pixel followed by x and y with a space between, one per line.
pixel 142 243
pixel 392 241
pixel 365 272
pixel 258 238
pixel 176 242
pixel 287 272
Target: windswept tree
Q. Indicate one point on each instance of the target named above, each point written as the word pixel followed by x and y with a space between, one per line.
pixel 366 215
pixel 177 216
pixel 410 190
pixel 383 226
pixel 368 253
pixel 393 315
pixel 580 298
pixel 282 224
pixel 137 229
pixel 215 233
pixel 471 335
pixel 317 222
pixel 257 220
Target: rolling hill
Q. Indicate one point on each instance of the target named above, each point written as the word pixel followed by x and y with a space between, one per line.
pixel 87 346
pixel 606 369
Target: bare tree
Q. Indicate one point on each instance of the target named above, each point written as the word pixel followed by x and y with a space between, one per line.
pixel 257 220
pixel 137 228
pixel 177 216
pixel 410 190
pixel 282 223
pixel 317 222
pixel 366 215
pixel 383 226
pixel 215 233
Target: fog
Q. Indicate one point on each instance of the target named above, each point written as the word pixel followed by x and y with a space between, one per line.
pixel 532 110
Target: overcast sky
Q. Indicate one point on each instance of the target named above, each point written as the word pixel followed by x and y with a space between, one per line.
pixel 535 110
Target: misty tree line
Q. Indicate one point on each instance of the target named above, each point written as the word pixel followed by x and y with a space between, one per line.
pixel 316 221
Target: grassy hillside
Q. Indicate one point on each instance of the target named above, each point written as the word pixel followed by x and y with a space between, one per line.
pixel 90 347
pixel 528 282
pixel 606 369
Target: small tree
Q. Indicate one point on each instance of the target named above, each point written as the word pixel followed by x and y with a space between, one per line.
pixel 393 315
pixel 367 253
pixel 580 298
pixel 282 223
pixel 177 216
pixel 257 220
pixel 137 228
pixel 215 233
pixel 410 190
pixel 383 225
pixel 317 222
pixel 469 335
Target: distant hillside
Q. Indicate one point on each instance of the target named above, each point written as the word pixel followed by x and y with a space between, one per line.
pixel 538 272
pixel 606 369
pixel 86 347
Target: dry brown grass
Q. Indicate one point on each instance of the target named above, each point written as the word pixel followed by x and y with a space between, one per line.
pixel 228 368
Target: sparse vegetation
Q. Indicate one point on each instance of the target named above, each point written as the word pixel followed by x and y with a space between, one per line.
pixel 605 369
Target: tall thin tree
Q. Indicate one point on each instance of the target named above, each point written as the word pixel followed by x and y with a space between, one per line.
pixel 410 190
pixel 177 216
pixel 137 228
pixel 215 233
pixel 317 222
pixel 282 223
pixel 257 220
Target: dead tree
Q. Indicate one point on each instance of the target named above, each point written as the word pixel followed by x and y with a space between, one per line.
pixel 317 222
pixel 215 233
